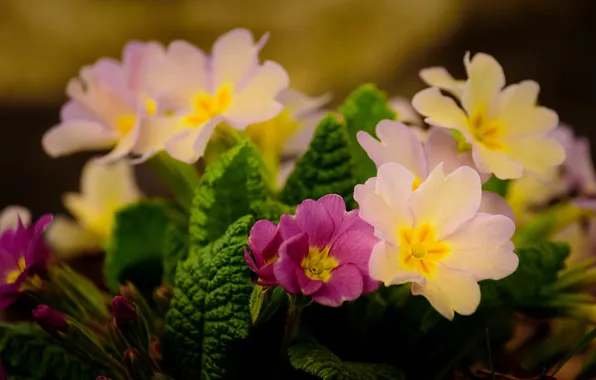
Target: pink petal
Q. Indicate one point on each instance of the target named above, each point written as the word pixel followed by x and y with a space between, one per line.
pixel 355 246
pixel 76 136
pixel 345 284
pixel 314 219
pixel 495 204
pixel 287 269
pixel 295 248
pixel 288 226
pixel 261 234
pixel 335 206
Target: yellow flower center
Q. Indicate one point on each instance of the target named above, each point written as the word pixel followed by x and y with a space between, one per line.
pixel 14 274
pixel 318 265
pixel 485 131
pixel 420 250
pixel 206 106
pixel 417 182
pixel 125 123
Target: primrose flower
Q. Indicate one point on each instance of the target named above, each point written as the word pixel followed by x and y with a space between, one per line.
pixel 401 144
pixel 23 255
pixel 106 108
pixel 105 189
pixel 264 242
pixel 195 91
pixel 434 236
pixel 326 252
pixel 507 131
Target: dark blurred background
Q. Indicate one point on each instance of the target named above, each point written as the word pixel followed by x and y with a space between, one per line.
pixel 326 45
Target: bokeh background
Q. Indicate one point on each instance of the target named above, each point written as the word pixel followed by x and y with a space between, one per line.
pixel 326 45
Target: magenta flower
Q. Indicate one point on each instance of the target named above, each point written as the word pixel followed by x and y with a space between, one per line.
pixel 50 320
pixel 2 372
pixel 325 252
pixel 23 255
pixel 264 242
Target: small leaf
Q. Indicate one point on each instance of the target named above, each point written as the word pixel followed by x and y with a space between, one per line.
pixel 135 252
pixel 27 352
pixel 325 168
pixel 363 109
pixel 226 192
pixel 264 302
pixel 209 314
pixel 496 185
pixel 317 360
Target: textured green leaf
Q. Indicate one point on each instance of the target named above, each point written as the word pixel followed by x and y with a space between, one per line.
pixel 363 109
pixel 27 352
pixel 496 185
pixel 271 210
pixel 325 168
pixel 209 315
pixel 317 360
pixel 226 192
pixel 176 247
pixel 135 252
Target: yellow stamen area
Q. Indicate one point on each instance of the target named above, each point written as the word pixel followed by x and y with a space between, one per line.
pixel 486 132
pixel 417 182
pixel 14 274
pixel 318 265
pixel 272 260
pixel 206 106
pixel 125 123
pixel 420 250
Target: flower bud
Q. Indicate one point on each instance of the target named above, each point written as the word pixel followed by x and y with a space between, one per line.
pixel 50 320
pixel 102 378
pixel 125 291
pixel 124 312
pixel 162 297
pixel 2 372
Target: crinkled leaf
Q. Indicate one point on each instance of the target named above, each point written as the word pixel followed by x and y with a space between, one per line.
pixel 317 360
pixel 176 247
pixel 226 192
pixel 363 109
pixel 209 314
pixel 135 252
pixel 271 210
pixel 27 352
pixel 325 168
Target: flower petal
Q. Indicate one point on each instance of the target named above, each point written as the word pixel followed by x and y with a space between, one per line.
pixel 450 291
pixel 261 234
pixel 385 266
pixel 496 162
pixel 446 202
pixel 68 239
pixel 482 247
pixel 77 136
pixel 440 77
pixel 10 216
pixel 440 110
pixel 495 204
pixel 537 154
pixel 345 284
pixel 189 145
pixel 314 219
pixel 335 206
pixel 287 268
pixel 398 143
pixel 355 246
pixel 484 84
pixel 256 102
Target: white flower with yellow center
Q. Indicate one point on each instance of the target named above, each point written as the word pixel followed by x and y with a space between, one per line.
pixel 435 236
pixel 195 91
pixel 508 132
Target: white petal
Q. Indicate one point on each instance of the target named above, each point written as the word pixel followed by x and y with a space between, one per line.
pixel 67 239
pixel 483 248
pixel 485 81
pixel 188 146
pixel 301 105
pixel 450 291
pixel 446 202
pixel 398 143
pixel 299 142
pixel 256 102
pixel 385 266
pixel 440 110
pixel 538 155
pixel 440 77
pixel 496 162
pixel 234 55
pixel 285 169
pixel 76 136
pixel 156 131
pixel 10 216
pixel 495 204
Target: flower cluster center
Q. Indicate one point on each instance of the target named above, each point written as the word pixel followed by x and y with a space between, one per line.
pixel 14 274
pixel 125 123
pixel 206 106
pixel 486 131
pixel 420 250
pixel 318 265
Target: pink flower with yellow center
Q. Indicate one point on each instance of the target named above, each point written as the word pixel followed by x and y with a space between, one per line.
pixel 325 252
pixel 508 132
pixel 106 109
pixel 196 91
pixel 23 255
pixel 435 236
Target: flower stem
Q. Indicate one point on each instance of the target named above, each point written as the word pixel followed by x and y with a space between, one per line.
pixel 181 178
pixel 292 324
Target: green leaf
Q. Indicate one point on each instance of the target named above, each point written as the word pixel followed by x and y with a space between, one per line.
pixel 176 247
pixel 317 360
pixel 27 352
pixel 181 178
pixel 363 109
pixel 135 252
pixel 264 302
pixel 226 192
pixel 209 316
pixel 271 210
pixel 496 185
pixel 325 168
